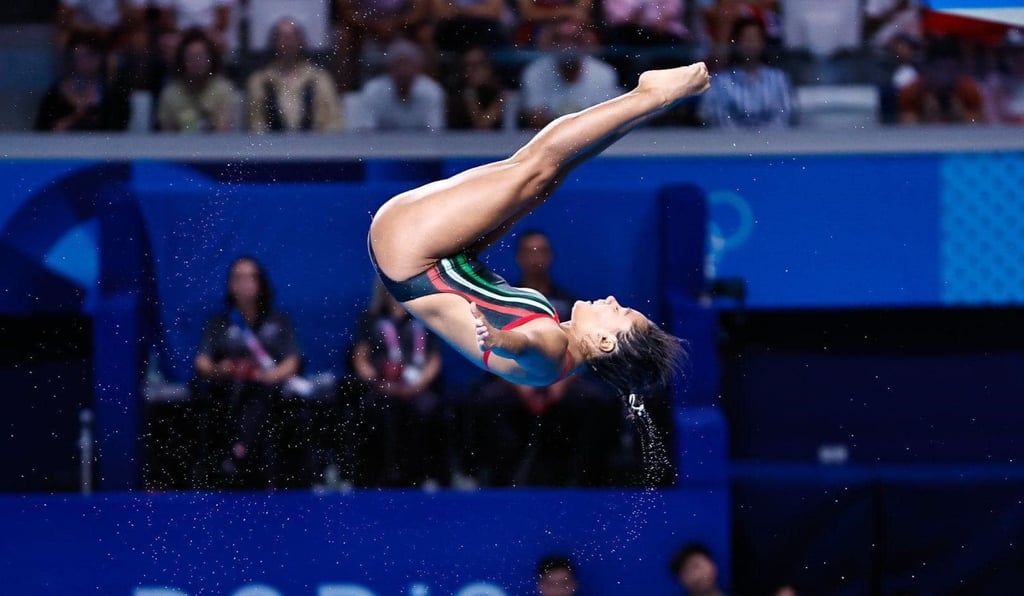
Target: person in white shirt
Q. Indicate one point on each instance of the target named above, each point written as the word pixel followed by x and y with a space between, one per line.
pixel 404 98
pixel 566 78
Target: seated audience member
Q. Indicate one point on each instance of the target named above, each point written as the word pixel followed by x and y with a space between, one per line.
pixel 566 78
pixel 83 98
pixel 944 93
pixel 695 570
pixel 719 20
pixel 480 97
pixel 903 69
pixel 366 29
pixel 644 22
pixel 405 98
pixel 1004 85
pixel 559 435
pixel 119 25
pixel 291 93
pixel 458 25
pixel 534 16
pixel 399 361
pixel 556 576
pixel 199 98
pixel 750 94
pixel 247 358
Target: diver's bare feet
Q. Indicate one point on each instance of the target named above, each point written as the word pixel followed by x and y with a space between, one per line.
pixel 674 84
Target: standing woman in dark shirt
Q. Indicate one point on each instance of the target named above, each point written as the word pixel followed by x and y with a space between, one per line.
pixel 84 98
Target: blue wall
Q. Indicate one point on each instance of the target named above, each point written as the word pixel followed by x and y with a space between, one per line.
pixel 386 542
pixel 143 248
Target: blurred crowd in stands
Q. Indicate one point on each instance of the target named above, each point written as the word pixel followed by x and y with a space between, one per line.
pixel 334 65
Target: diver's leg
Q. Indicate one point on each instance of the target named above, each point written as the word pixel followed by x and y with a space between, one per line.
pixel 470 210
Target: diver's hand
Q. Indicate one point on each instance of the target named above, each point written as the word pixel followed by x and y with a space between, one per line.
pixel 489 337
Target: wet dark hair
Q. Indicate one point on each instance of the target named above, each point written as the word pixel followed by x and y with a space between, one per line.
pixel 266 297
pixel 551 563
pixel 645 359
pixel 683 554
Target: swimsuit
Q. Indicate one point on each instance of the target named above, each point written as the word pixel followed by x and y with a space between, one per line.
pixel 504 305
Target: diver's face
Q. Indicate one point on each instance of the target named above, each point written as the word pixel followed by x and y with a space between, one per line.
pixel 605 317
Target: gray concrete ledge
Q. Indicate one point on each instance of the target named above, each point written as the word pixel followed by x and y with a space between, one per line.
pixel 641 143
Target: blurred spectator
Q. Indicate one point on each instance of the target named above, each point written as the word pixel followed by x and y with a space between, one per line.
pixel 884 20
pixel 400 362
pixel 216 18
pixel 556 576
pixel 366 29
pixel 84 98
pixel 695 570
pixel 480 97
pixel 119 25
pixel 248 356
pixel 903 68
pixel 404 98
pixel 199 98
pixel 535 16
pixel 559 435
pixel 823 29
pixel 291 93
pixel 750 94
pixel 566 78
pixel 945 92
pixel 643 22
pixel 786 589
pixel 1004 85
pixel 458 25
pixel 719 20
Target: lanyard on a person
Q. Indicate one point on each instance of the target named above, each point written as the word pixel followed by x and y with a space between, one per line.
pixel 252 342
pixel 394 345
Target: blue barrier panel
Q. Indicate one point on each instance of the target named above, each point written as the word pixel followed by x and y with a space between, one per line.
pixel 884 529
pixel 384 542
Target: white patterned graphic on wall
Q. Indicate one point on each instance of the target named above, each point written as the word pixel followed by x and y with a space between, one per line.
pixel 982 220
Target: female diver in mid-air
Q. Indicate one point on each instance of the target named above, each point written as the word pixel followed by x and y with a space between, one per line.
pixel 424 243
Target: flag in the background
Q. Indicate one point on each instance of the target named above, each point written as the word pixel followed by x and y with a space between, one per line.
pixel 986 21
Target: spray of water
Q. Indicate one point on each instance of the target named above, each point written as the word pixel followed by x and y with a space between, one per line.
pixel 645 501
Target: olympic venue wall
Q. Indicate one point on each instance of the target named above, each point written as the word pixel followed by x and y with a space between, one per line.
pixel 127 258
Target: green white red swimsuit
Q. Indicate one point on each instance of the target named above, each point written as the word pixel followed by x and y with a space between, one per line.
pixel 504 305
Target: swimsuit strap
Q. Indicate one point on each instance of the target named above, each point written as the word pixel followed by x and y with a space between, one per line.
pixel 522 321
